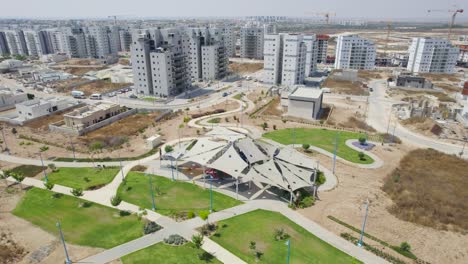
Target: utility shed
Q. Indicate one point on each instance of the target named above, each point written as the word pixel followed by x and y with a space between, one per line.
pixel 153 141
pixel 305 103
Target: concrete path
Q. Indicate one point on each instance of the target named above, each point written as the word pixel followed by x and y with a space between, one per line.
pixel 37 162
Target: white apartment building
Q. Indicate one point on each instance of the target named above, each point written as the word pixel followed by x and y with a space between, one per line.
pixel 288 59
pixel 166 61
pixel 36 42
pixel 251 42
pixel 432 55
pixel 229 40
pixel 322 46
pixel 97 42
pixel 354 52
pixel 114 40
pixel 3 44
pixel 16 42
pixel 125 40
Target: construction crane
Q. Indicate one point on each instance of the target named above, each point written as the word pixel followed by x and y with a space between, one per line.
pixel 452 22
pixel 387 39
pixel 327 15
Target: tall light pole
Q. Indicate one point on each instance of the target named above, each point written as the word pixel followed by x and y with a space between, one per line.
pixel 463 149
pixel 288 243
pixel 67 261
pixel 121 167
pixel 73 148
pixel 363 224
pixel 43 169
pixel 335 151
pixel 211 195
pixel 152 192
pixel 294 137
pixel 172 170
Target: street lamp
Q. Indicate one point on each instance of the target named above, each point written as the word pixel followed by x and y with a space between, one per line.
pixel 4 140
pixel 152 192
pixel 43 169
pixel 335 151
pixel 288 243
pixel 211 194
pixel 67 261
pixel 172 170
pixel 359 243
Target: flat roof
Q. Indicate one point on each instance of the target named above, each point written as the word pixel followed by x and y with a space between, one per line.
pixel 306 93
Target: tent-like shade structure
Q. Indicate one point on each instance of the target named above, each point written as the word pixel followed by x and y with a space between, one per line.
pixel 203 145
pixel 250 150
pixel 229 162
pixel 290 155
pixel 225 133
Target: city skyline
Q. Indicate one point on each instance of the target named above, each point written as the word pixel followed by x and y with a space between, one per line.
pixel 367 9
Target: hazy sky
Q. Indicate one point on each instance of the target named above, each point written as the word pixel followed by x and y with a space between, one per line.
pixel 373 9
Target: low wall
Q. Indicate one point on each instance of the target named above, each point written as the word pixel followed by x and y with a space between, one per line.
pixel 62 129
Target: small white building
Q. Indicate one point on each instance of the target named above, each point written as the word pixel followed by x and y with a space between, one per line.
pixel 8 99
pixel 154 141
pixel 305 103
pixel 41 107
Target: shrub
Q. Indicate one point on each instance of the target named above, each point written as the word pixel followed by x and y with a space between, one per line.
pixel 264 125
pixel 307 202
pixel 14 131
pixel 187 119
pixel 274 127
pixel 43 148
pixel 168 148
pixel 280 234
pixel 175 240
pixel 151 227
pixel 140 168
pixel 52 167
pixel 205 256
pixel 305 147
pixel 405 246
pixel 208 229
pixel 204 214
pixel 115 200
pixel 49 186
pixel 320 178
pixel 197 240
pixel 86 179
pixel 96 145
pixel 361 155
pixel 77 192
pixel 123 213
pixel 362 140
pixel 190 215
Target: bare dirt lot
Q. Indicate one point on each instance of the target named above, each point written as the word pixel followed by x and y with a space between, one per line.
pixel 99 86
pixel 429 188
pixel 356 185
pixel 345 87
pixel 241 68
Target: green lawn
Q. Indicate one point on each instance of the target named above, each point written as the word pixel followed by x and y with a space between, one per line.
pixel 94 225
pixel 162 253
pixel 215 120
pixel 174 196
pixel 259 226
pixel 28 170
pixel 85 178
pixel 321 138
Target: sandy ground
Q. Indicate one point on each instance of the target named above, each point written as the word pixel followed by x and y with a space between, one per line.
pixel 356 185
pixel 40 246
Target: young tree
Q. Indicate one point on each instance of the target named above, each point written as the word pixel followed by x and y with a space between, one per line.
pixel 305 147
pixel 362 140
pixel 168 148
pixel 52 167
pixel 405 246
pixel 77 192
pixel 115 200
pixel 18 178
pixel 197 240
pixel 14 131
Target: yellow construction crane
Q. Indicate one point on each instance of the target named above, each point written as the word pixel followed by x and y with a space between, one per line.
pixel 452 22
pixel 327 15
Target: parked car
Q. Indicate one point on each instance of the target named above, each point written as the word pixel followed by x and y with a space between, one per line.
pixel 111 94
pixel 96 96
pixel 77 94
pixel 133 96
pixel 225 94
pixel 371 89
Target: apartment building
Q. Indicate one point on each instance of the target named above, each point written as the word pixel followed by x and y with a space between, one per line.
pixel 354 52
pixel 322 46
pixel 432 55
pixel 36 42
pixel 114 39
pixel 251 41
pixel 289 59
pixel 3 44
pixel 125 40
pixel 16 42
pixel 97 42
pixel 166 61
pixel 229 40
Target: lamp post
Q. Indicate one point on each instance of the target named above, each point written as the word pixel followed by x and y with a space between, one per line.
pixel 73 148
pixel 211 195
pixel 121 168
pixel 334 152
pixel 363 224
pixel 152 193
pixel 288 243
pixel 43 169
pixel 67 261
pixel 172 171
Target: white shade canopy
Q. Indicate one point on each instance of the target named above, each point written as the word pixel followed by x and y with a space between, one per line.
pixel 229 162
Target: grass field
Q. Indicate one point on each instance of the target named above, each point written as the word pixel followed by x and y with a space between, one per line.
pixel 186 253
pixel 92 225
pixel 27 170
pixel 322 138
pixel 171 196
pixel 429 188
pixel 259 226
pixel 84 178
